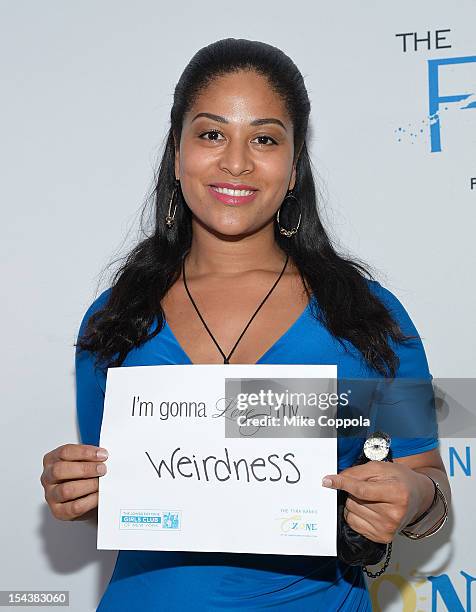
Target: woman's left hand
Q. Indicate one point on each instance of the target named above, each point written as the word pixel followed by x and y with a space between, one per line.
pixel 383 497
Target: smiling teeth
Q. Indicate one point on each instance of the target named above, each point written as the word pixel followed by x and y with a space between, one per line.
pixel 232 192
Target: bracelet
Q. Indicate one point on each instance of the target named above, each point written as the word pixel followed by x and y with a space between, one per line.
pixel 439 523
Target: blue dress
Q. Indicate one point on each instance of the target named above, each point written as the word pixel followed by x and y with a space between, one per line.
pixel 149 581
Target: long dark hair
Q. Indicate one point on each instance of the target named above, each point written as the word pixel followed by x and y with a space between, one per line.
pixel 347 306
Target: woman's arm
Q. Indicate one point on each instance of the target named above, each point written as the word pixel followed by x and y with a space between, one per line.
pixel 384 497
pixel 428 463
pixel 90 385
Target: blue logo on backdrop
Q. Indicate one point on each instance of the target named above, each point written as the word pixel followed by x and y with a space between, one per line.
pixel 444 594
pixel 436 100
pixel 443 586
pixel 464 464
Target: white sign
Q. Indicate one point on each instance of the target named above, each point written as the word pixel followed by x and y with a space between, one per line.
pixel 225 458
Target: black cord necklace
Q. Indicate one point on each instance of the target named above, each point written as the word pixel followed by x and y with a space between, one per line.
pixel 227 359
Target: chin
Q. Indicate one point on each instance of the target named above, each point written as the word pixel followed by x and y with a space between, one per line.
pixel 233 233
pixel 225 226
pixel 230 231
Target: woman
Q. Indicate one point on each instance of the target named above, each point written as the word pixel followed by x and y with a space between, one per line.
pixel 237 233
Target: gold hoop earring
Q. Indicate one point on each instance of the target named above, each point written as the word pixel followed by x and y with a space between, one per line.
pixel 282 230
pixel 170 218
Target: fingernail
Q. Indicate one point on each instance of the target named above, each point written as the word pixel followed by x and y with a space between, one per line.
pixel 326 482
pixel 102 453
pixel 101 469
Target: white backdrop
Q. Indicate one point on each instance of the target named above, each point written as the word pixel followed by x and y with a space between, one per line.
pixel 87 89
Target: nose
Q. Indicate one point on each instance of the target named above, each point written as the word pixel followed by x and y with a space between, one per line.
pixel 236 158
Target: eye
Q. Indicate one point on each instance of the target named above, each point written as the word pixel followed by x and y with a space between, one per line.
pixel 269 138
pixel 217 132
pixel 209 132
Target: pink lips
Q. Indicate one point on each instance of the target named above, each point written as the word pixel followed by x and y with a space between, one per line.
pixel 232 200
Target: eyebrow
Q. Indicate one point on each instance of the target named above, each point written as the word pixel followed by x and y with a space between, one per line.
pixel 254 122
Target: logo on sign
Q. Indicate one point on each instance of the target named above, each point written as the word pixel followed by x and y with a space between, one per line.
pixel 298 522
pixel 150 519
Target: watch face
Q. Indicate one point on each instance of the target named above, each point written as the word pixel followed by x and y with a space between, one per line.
pixel 376 448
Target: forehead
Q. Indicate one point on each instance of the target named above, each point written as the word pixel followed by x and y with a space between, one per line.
pixel 240 96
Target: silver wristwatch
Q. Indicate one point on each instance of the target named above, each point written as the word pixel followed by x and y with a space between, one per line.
pixel 377 446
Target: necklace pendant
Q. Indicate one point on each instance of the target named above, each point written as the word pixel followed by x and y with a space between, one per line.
pixel 225 359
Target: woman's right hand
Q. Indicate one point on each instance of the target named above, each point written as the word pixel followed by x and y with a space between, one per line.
pixel 70 479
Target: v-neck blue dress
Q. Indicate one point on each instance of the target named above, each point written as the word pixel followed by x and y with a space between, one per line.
pixel 146 581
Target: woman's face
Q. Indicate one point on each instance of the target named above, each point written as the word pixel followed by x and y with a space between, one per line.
pixel 228 148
